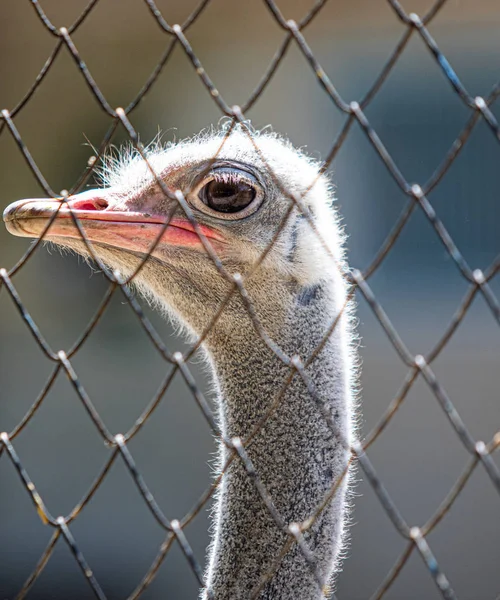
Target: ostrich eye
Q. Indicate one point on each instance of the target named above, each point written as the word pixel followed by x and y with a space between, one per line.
pixel 227 196
pixel 228 193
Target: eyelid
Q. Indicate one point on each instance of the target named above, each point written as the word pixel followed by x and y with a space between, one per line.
pixel 228 174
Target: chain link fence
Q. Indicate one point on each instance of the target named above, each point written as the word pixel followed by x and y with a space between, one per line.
pixel 418 368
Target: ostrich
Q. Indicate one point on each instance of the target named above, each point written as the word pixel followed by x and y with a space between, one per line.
pixel 239 189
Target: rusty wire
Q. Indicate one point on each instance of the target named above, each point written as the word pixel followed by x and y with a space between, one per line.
pixel 418 366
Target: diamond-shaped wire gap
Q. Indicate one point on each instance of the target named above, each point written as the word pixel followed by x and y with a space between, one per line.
pixel 314 105
pixel 415 252
pixel 120 367
pixel 415 240
pixel 321 76
pixel 472 518
pixel 320 73
pixel 414 533
pixel 167 96
pixel 53 54
pixel 117 513
pixel 160 517
pixel 46 517
pixel 77 117
pixel 27 374
pixel 414 143
pixel 40 566
pixel 73 441
pixel 18 182
pixel 355 78
pixel 457 146
pixel 388 159
pixel 393 573
pixel 369 201
pixel 47 554
pixel 167 52
pixel 44 70
pixel 466 368
pixel 440 394
pixel 174 442
pixel 65 288
pixel 416 492
pixel 414 573
pixel 441 60
pixel 370 527
pixel 19 25
pixel 60 577
pixel 440 513
pixel 23 525
pixel 469 190
pixel 305 21
pixel 234 74
pixel 437 349
pixel 406 356
pixel 463 46
pixel 168 434
pixel 474 276
pixel 241 70
pixel 378 357
pixel 138 45
pixel 419 361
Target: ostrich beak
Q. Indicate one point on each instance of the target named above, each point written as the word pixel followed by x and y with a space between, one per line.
pixel 129 230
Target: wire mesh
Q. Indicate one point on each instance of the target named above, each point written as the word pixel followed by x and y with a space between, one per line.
pixel 418 367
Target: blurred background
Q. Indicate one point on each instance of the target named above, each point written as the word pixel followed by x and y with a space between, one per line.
pixel 418 116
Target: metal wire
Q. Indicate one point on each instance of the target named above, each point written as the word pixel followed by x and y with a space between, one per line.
pixel 419 367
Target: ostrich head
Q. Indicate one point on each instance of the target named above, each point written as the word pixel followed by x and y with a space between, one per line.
pixel 238 190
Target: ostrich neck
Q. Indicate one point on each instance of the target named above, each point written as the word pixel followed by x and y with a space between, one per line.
pixel 296 454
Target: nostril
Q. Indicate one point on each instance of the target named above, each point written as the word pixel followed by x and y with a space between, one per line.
pixel 89 204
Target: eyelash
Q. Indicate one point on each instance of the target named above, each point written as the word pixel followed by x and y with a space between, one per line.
pixel 227 177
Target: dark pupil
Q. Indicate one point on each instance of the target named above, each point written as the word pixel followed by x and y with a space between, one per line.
pixel 228 197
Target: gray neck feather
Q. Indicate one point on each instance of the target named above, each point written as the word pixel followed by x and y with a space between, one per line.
pixel 296 454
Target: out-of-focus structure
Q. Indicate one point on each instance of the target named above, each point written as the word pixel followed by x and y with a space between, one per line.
pixel 418 116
